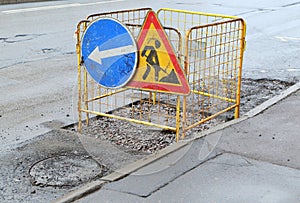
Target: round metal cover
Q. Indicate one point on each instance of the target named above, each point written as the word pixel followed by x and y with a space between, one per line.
pixel 60 171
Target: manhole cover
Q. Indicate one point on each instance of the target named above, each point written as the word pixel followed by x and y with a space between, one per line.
pixel 64 170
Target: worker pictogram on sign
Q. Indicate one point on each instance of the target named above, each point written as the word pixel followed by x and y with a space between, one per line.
pixel 158 67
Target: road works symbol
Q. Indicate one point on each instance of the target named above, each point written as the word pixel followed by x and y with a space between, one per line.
pixel 109 52
pixel 158 67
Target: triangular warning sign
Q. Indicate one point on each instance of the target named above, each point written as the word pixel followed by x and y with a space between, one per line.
pixel 158 67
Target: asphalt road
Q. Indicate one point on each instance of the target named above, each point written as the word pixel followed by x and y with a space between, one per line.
pixel 35 31
pixel 38 62
pixel 38 73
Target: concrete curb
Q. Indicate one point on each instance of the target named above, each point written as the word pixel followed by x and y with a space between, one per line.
pixel 75 195
pixel 143 162
pixel 81 192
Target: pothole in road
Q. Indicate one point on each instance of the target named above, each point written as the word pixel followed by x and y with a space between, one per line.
pixel 65 171
pixel 20 38
pixel 48 50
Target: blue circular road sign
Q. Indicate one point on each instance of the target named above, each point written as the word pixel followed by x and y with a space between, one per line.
pixel 109 52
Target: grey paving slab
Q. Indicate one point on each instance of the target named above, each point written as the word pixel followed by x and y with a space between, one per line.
pixel 162 171
pixel 109 196
pixel 232 178
pixel 272 136
pixel 226 178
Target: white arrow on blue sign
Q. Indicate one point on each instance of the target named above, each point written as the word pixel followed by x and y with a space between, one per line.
pixel 109 52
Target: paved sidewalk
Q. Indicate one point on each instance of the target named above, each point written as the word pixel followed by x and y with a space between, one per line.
pixel 251 159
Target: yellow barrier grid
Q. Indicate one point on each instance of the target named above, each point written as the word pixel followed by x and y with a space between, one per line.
pixel 210 49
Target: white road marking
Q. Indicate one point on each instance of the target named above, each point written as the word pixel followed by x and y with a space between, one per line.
pixel 286 39
pixel 97 55
pixel 22 10
pixel 293 70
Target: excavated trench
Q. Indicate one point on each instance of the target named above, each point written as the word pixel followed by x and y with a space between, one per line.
pixel 147 139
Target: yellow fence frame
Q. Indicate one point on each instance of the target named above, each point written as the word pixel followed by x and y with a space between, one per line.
pixel 177 23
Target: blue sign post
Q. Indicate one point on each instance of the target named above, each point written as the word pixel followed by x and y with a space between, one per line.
pixel 109 52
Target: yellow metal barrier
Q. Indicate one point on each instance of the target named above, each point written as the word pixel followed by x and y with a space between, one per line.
pixel 211 52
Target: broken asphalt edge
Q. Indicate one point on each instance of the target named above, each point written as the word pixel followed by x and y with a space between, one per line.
pixel 267 104
pixel 130 168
